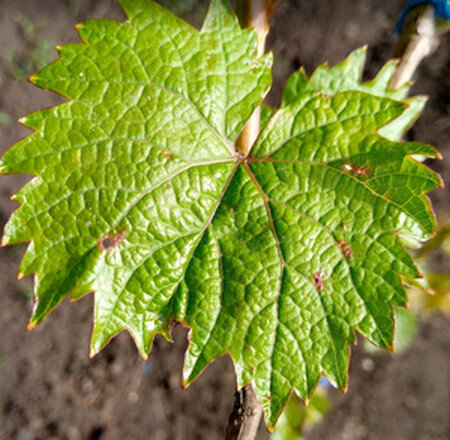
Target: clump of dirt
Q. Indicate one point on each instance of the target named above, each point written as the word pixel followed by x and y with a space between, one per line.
pixel 50 389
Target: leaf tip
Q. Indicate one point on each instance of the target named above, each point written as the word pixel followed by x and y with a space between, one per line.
pixel 188 377
pixel 186 381
pixel 31 325
pixel 390 345
pixel 78 26
pixel 271 427
pixel 144 355
pixel 405 105
pixel 34 78
pixel 344 387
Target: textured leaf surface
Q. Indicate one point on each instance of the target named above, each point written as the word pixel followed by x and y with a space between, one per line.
pixel 347 76
pixel 139 196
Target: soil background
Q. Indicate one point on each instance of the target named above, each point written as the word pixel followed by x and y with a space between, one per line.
pixel 51 390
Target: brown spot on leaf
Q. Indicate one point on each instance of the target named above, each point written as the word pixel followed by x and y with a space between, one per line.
pixel 318 281
pixel 168 155
pixel 108 243
pixel 346 249
pixel 355 169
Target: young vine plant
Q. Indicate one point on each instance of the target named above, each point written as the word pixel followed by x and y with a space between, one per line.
pixel 277 255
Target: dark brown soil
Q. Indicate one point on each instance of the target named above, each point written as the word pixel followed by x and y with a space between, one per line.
pixel 50 389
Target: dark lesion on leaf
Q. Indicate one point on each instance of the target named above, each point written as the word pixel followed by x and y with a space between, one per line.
pixel 108 243
pixel 345 249
pixel 356 170
pixel 318 281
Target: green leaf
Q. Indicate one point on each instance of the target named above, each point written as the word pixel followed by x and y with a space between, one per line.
pixel 266 113
pixel 139 196
pixel 347 76
pixel 405 330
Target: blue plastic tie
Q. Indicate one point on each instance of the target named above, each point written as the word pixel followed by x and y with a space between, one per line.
pixel 441 10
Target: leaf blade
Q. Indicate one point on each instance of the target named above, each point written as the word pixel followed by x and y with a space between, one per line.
pixel 347 76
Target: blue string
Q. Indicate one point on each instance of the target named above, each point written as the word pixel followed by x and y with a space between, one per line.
pixel 441 10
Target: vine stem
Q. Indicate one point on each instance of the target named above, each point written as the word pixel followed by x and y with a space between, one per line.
pixel 245 418
pixel 253 14
pixel 419 39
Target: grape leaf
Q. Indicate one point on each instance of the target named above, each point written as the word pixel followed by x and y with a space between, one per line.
pixel 347 76
pixel 139 196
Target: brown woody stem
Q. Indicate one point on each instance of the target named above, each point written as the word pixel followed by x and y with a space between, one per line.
pixel 253 14
pixel 419 39
pixel 244 420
